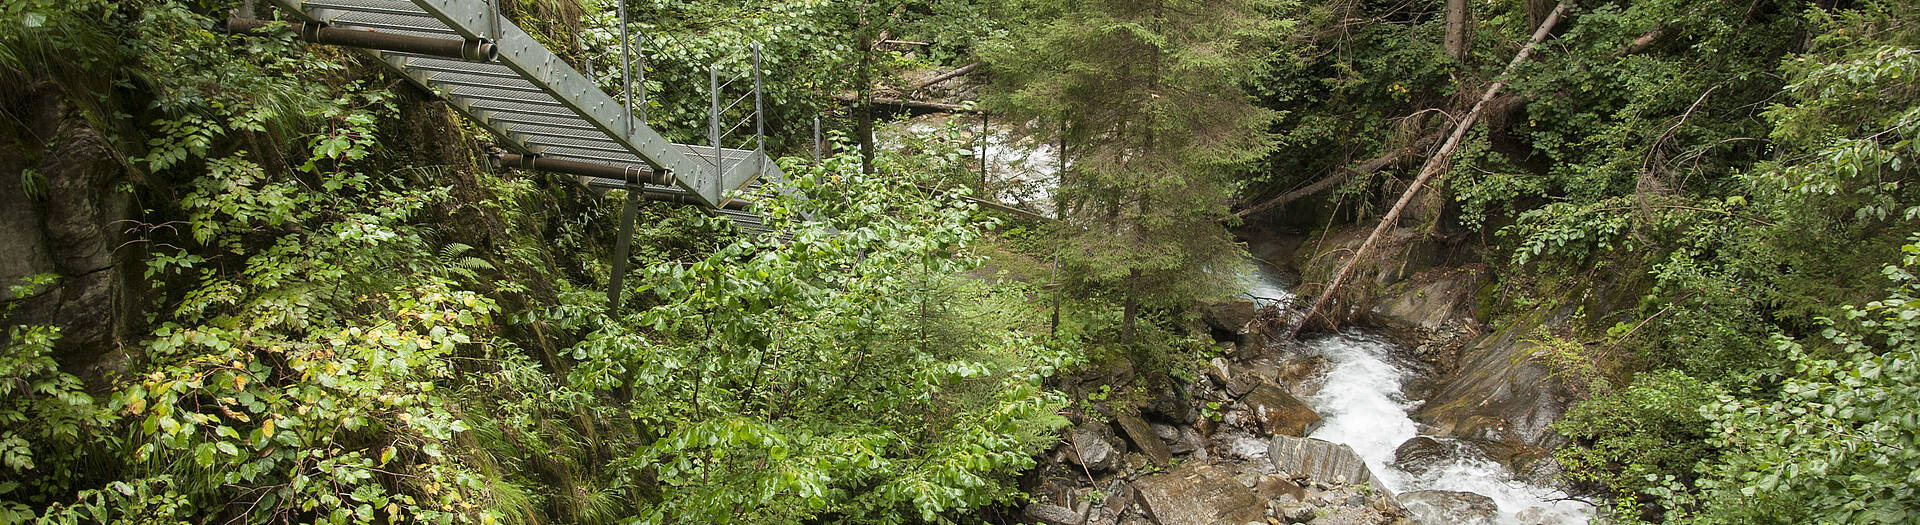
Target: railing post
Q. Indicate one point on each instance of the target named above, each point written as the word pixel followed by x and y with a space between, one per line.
pixel 759 117
pixel 626 65
pixel 713 128
pixel 640 83
pixel 493 20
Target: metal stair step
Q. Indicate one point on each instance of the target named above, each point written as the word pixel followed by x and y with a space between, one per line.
pixel 392 7
pixel 585 145
pixel 573 124
pixel 480 81
pixel 552 111
pixel 501 94
pixel 419 25
pixel 558 133
pixel 444 65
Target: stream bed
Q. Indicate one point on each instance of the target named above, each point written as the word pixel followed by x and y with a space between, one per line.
pixel 1363 405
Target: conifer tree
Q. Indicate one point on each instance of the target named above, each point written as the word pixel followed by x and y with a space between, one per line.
pixel 1147 97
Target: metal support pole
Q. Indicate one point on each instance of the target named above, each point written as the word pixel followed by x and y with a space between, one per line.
pixel 479 49
pixel 621 246
pixel 818 145
pixel 713 124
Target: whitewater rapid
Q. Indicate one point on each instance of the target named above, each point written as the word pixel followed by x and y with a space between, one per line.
pixel 1362 404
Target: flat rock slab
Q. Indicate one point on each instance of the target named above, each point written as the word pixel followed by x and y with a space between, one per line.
pixel 1320 460
pixel 1051 514
pixel 1144 437
pixel 1446 507
pixel 1198 494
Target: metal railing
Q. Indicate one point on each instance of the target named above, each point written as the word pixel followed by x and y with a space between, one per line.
pixel 735 117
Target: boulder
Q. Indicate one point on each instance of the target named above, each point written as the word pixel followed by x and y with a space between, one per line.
pixel 1173 405
pixel 1278 412
pixel 1120 496
pixel 1234 316
pixel 1276 487
pixel 1319 460
pixel 1243 447
pixel 1243 383
pixel 1051 514
pixel 1092 450
pixel 1294 512
pixel 1198 494
pixel 1446 507
pixel 1302 376
pixel 1144 438
pixel 1170 435
pixel 1116 374
pixel 1220 371
pixel 1423 453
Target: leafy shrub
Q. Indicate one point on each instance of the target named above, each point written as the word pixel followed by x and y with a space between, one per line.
pixel 1836 441
pixel 1653 428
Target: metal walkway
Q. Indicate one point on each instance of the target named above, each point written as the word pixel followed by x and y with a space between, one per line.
pixel 549 115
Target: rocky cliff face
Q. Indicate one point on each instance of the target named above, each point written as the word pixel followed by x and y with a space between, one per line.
pixel 63 213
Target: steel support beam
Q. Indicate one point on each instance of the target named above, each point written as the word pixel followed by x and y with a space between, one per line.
pixel 621 246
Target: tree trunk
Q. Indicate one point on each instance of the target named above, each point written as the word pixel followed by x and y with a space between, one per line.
pixel 1432 167
pixel 863 126
pixel 863 107
pixel 1131 310
pixel 1458 37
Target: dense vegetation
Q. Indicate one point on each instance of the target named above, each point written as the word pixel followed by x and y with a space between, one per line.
pixel 347 317
pixel 352 321
pixel 1716 192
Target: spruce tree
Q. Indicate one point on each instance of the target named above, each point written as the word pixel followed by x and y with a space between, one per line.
pixel 1147 97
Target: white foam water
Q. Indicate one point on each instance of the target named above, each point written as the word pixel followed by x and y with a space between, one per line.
pixel 1363 406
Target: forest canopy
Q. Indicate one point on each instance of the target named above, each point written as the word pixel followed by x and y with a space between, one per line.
pixel 292 287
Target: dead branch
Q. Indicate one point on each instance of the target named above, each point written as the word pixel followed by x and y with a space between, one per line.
pixel 1340 175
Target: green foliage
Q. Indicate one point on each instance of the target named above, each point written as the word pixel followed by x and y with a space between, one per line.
pixel 1650 430
pixel 1835 441
pixel 1148 98
pixel 788 383
pixel 46 412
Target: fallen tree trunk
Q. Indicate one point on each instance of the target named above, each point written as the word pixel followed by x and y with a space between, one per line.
pixel 910 104
pixel 1340 176
pixel 1427 171
pixel 962 70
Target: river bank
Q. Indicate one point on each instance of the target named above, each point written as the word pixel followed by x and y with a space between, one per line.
pixel 1327 429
